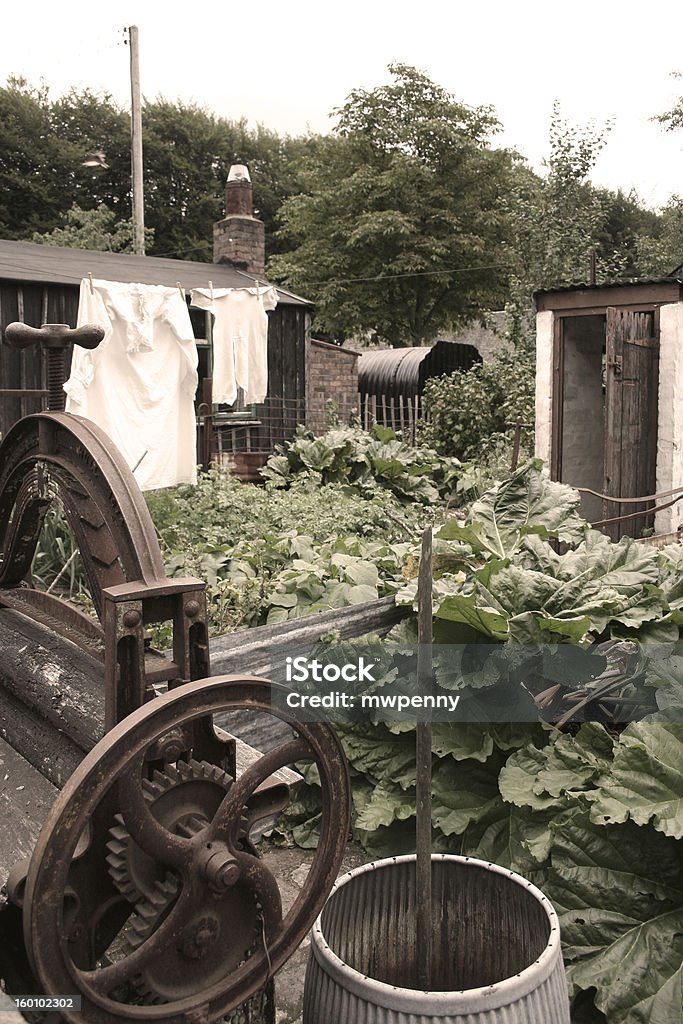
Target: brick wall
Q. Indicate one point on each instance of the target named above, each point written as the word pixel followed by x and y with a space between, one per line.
pixel 332 376
pixel 241 241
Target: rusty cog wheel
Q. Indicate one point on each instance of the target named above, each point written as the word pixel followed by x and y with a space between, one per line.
pixel 183 797
pixel 209 930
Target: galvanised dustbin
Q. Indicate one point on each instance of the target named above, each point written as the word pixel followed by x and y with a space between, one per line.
pixel 496 955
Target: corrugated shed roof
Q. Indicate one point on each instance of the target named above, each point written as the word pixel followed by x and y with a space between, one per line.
pixel 628 282
pixel 51 264
pixel 403 371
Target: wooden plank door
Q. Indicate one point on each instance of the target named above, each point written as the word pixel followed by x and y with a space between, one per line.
pixel 631 383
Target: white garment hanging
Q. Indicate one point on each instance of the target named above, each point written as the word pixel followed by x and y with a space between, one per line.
pixel 240 340
pixel 139 384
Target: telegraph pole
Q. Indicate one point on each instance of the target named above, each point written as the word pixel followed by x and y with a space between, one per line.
pixel 136 142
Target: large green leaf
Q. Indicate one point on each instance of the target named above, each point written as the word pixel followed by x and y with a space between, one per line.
pixel 377 753
pixel 506 835
pixel 468 610
pixel 528 502
pixel 552 777
pixel 645 783
pixel 464 792
pixel 568 596
pixel 386 805
pixel 619 891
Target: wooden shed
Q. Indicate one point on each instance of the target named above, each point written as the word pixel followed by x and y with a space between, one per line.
pixel 391 381
pixel 609 399
pixel 40 284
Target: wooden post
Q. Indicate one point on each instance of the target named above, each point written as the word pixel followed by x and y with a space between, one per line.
pixel 136 142
pixel 423 758
pixel 515 445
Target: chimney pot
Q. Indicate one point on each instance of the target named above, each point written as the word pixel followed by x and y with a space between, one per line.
pixel 239 172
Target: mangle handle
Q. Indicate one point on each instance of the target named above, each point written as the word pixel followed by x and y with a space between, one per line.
pixel 53 335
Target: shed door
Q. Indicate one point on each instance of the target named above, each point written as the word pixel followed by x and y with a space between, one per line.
pixel 631 383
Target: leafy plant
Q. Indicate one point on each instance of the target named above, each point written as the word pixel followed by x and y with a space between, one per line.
pixel 594 814
pixel 57 563
pixel 470 412
pixel 368 462
pixel 272 554
pixel 404 196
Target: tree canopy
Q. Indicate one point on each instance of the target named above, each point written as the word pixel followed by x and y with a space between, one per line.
pixel 97 229
pixel 44 144
pixel 405 222
pixel 399 228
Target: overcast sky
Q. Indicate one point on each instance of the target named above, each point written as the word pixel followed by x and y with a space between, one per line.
pixel 288 64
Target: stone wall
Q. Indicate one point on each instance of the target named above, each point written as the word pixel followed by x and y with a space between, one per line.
pixel 332 377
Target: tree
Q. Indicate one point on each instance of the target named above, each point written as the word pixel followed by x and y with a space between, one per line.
pixel 661 252
pixel 558 219
pixel 398 231
pixel 188 153
pixel 626 223
pixel 672 119
pixel 93 229
pixel 44 145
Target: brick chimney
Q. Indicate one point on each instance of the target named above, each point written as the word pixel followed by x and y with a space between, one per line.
pixel 239 239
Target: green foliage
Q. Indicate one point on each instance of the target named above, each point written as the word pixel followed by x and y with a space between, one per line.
pixel 43 146
pixel 188 152
pixel 57 563
pixel 672 120
pixel 595 815
pixel 269 555
pixel 400 207
pixel 555 218
pixel 468 413
pixel 502 577
pixel 364 462
pixel 661 251
pixel 627 229
pixel 93 229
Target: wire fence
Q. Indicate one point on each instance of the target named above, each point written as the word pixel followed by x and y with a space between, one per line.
pixel 258 429
pixel 402 413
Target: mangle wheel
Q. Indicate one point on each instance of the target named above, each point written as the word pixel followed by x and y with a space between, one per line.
pixel 191 925
pixel 55 456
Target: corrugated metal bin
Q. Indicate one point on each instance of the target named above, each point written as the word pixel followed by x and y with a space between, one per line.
pixel 496 949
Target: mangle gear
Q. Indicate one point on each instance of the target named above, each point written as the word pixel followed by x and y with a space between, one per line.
pixel 144 893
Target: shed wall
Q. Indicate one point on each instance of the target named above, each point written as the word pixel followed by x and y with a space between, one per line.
pixel 33 304
pixel 275 420
pixel 670 432
pixel 545 326
pixel 333 378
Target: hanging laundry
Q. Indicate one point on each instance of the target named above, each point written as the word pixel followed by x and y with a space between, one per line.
pixel 240 340
pixel 139 384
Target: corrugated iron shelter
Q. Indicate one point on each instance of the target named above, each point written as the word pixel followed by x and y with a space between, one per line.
pixel 391 381
pixel 40 284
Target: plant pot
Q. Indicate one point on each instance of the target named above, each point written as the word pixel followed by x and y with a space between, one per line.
pixel 496 955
